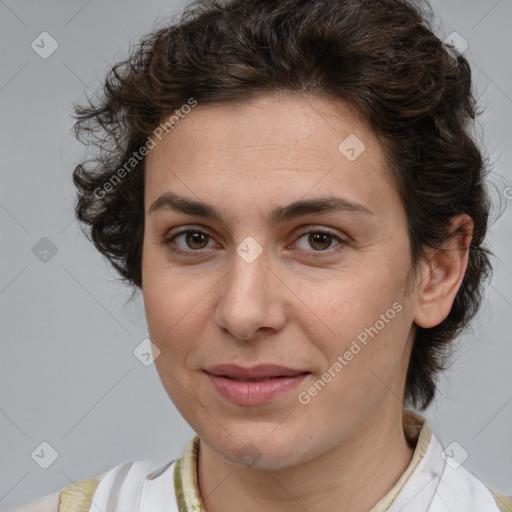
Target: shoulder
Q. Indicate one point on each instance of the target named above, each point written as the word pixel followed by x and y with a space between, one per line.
pixel 78 496
pixel 120 488
pixel 75 497
pixel 442 484
pixel 459 486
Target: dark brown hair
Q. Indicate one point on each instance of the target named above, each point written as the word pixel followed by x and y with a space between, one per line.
pixel 381 58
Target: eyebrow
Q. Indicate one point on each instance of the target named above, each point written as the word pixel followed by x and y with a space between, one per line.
pixel 302 207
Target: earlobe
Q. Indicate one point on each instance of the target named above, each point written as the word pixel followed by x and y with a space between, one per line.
pixel 442 275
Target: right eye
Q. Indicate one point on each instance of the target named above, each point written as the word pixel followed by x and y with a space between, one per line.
pixel 189 241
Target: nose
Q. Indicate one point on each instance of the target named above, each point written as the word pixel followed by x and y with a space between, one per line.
pixel 251 299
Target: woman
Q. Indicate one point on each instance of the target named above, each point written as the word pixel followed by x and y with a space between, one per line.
pixel 293 188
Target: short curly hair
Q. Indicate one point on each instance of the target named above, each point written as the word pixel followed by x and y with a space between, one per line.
pixel 381 58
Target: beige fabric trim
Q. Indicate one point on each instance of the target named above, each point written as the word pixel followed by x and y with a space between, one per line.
pixel 77 497
pixel 503 501
pixel 185 479
pixel 418 435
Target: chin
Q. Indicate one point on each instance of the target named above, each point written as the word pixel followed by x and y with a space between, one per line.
pixel 257 448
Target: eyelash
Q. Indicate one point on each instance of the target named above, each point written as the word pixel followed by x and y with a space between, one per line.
pixel 169 241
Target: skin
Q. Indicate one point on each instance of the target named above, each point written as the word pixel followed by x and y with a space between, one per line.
pixel 298 304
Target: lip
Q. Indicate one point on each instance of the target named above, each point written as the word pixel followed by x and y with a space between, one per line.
pixel 261 371
pixel 279 380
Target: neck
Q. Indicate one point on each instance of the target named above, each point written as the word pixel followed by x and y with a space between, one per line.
pixel 357 473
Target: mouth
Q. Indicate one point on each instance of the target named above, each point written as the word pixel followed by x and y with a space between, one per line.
pixel 255 385
pixel 260 372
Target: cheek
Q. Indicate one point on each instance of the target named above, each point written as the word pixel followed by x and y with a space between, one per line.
pixel 359 301
pixel 171 313
pixel 369 321
pixel 168 302
pixel 178 308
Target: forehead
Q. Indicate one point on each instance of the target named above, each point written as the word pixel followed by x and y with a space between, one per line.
pixel 290 142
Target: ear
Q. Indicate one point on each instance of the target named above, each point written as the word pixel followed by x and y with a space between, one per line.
pixel 443 273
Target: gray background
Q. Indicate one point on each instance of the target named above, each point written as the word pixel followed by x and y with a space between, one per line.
pixel 68 373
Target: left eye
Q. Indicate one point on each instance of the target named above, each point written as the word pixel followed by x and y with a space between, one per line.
pixel 319 240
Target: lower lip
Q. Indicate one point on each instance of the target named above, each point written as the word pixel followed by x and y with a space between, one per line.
pixel 254 393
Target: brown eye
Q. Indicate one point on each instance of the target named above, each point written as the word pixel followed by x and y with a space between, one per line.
pixel 319 241
pixel 189 241
pixel 196 239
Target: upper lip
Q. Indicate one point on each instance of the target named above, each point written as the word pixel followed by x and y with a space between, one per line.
pixel 260 371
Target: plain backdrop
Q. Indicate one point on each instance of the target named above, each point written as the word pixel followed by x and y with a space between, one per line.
pixel 68 373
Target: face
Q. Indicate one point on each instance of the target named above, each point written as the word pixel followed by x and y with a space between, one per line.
pixel 300 259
